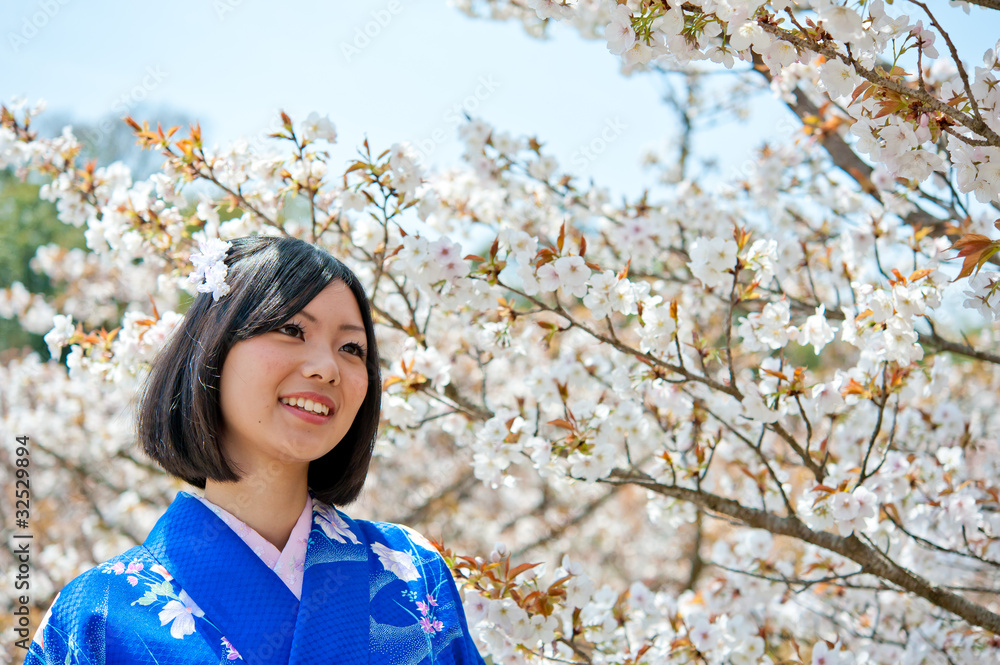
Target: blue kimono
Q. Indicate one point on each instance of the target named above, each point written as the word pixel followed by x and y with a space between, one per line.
pixel 194 592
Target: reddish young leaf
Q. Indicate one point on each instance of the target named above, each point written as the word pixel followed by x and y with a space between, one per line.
pixel 976 250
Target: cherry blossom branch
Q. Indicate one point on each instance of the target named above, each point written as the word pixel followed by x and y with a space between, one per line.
pixel 646 358
pixel 789 581
pixel 756 447
pixel 457 490
pixel 81 475
pixel 851 547
pixel 818 469
pixel 844 156
pixel 935 340
pixel 954 56
pixel 974 124
pixel 929 544
pixel 558 530
pixel 932 339
pixel 697 563
pixel 987 4
pixel 878 426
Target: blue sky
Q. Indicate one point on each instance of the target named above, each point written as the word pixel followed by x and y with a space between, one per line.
pixel 232 64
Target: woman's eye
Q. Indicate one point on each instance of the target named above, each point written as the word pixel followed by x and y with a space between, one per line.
pixel 355 349
pixel 290 329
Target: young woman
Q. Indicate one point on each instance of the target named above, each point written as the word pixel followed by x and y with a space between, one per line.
pixel 268 399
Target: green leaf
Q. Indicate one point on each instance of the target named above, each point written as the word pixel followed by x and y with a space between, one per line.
pixel 162 589
pixel 148 599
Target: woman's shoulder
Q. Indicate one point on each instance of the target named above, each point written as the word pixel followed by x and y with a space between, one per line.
pixel 103 575
pixel 81 608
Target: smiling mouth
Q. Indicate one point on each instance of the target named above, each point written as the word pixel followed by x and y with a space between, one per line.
pixel 307 405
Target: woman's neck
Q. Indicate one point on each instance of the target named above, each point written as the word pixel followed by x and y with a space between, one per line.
pixel 270 503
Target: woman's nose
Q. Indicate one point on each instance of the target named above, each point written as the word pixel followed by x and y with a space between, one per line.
pixel 322 364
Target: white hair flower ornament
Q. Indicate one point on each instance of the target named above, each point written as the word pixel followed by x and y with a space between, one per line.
pixel 210 268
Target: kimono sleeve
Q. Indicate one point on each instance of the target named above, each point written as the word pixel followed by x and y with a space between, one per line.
pixel 65 637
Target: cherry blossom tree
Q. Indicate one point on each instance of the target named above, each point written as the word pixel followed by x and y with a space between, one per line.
pixel 751 422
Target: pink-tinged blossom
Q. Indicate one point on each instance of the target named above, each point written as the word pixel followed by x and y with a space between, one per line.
pixel 448 257
pixel 619 32
pixel 816 331
pixel 543 167
pixel 779 54
pixel 431 627
pixel 909 300
pixel 597 464
pixel 570 274
pixel 703 635
pixel 599 293
pixel 548 278
pixel 476 606
pixel 839 79
pixel 755 409
pixel 881 306
pixel 529 279
pixel 898 137
pixel 748 34
pixel 827 398
pixel 951 457
pixel 711 258
pixel 522 245
pixel 900 341
pixel 317 127
pixel 658 329
pixel 761 258
pixel 925 40
pixel 917 164
pixel 353 200
pixel 402 157
pixel 852 511
pixel 768 328
pixel 842 22
pixel 231 652
pixel 823 654
pixel 640 53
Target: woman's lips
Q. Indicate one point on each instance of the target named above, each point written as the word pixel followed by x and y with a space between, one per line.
pixel 308 416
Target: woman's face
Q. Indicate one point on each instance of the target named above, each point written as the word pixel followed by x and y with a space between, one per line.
pixel 290 395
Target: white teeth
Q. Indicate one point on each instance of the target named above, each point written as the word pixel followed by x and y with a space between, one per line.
pixel 306 405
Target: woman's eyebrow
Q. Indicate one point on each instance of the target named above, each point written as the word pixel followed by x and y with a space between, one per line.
pixel 350 327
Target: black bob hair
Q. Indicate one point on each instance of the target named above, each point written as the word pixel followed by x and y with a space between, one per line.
pixel 179 417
